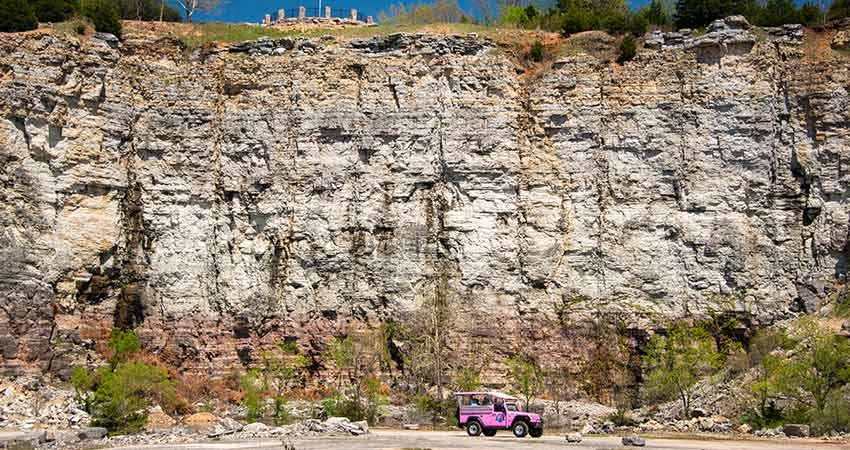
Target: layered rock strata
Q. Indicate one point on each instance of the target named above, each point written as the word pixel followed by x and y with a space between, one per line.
pixel 223 201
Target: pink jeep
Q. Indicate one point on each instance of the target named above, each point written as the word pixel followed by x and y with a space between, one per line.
pixel 487 412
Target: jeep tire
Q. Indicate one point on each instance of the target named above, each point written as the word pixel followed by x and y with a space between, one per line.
pixel 520 428
pixel 473 428
pixel 536 432
pixel 489 433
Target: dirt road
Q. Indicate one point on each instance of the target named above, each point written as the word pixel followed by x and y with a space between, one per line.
pixel 456 440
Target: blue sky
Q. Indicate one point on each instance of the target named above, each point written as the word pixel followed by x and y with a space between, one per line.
pixel 253 10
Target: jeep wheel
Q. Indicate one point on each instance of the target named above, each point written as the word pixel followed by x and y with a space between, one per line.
pixel 520 429
pixel 473 428
pixel 489 433
pixel 536 432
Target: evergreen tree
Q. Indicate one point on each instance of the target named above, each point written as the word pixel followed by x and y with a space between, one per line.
pixel 16 15
pixel 103 15
pixel 839 10
pixel 811 14
pixel 776 13
pixel 654 14
pixel 54 10
pixel 699 13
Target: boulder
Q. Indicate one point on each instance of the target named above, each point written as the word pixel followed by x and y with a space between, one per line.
pixel 796 430
pixel 201 421
pixel 363 425
pixel 61 436
pixel 227 423
pixel 633 441
pixel 588 429
pixel 574 438
pixel 745 429
pixel 159 421
pixel 841 41
pixel 410 426
pixel 109 38
pixel 608 427
pixel 92 433
pixel 650 425
pixel 654 40
pixel 790 33
pixel 737 22
pixel 255 427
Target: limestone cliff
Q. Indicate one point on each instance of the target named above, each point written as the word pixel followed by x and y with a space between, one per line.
pixel 223 200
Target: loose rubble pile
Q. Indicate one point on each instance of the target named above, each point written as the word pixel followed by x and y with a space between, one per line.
pixel 729 32
pixel 198 428
pixel 31 403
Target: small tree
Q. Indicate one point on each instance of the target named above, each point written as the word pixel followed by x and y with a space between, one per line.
pixel 677 360
pixel 280 369
pixel 16 15
pixel 820 368
pixel 628 48
pixel 252 396
pixel 123 396
pixel 122 345
pixel 559 385
pixel 527 378
pixel 467 379
pixel 190 7
pixel 83 382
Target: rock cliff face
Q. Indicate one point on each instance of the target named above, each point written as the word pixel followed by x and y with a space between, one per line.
pixel 223 201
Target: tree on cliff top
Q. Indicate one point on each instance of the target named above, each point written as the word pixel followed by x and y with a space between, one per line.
pixel 189 7
pixel 104 15
pixel 16 15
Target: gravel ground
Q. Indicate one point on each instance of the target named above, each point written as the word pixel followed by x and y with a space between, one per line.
pixel 456 440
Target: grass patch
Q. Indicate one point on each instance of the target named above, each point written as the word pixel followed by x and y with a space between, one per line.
pixel 73 27
pixel 201 34
pixel 206 33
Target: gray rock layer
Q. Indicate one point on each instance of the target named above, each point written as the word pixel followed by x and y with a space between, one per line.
pixel 222 202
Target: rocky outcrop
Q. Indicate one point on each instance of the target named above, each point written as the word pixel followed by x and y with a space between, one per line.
pixel 222 202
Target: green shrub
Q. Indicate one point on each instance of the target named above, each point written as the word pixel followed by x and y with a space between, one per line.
pixel 812 379
pixel 83 382
pixel 374 399
pixel 16 15
pixel 835 415
pixel 252 398
pixel 54 10
pixel 628 49
pixel 103 15
pixel 435 409
pixel 622 418
pixel 123 396
pixel 536 52
pixel 80 28
pixel 339 406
